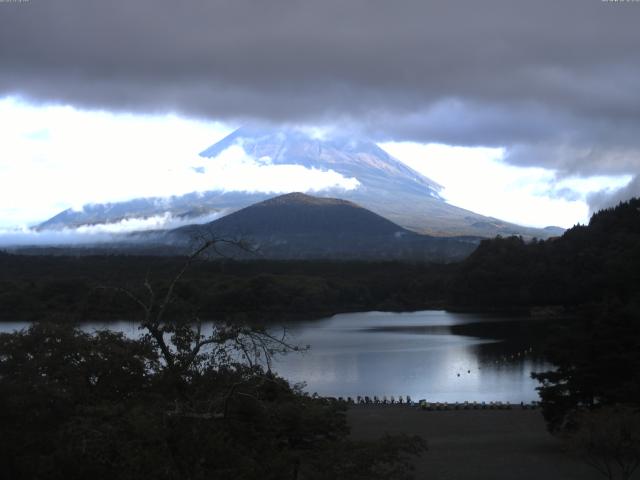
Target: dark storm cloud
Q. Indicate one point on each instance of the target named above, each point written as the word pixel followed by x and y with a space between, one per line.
pixel 555 82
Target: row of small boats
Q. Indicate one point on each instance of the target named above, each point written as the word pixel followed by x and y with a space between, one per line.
pixel 423 404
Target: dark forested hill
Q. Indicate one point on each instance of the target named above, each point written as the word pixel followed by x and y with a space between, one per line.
pixel 588 264
pixel 299 226
pixel 300 214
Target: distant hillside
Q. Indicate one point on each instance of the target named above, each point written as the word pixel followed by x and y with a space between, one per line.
pixel 594 263
pixel 302 226
pixel 300 214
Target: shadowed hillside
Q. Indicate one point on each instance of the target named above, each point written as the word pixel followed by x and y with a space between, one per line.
pixel 301 226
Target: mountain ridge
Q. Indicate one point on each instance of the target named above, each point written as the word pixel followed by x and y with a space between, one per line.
pixel 302 198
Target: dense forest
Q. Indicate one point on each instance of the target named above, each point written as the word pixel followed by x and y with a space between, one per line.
pixel 81 288
pixel 596 263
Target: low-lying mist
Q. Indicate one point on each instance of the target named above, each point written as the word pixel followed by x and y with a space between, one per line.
pixel 130 230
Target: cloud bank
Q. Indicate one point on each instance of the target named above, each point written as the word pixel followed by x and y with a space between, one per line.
pixel 55 158
pixel 97 233
pixel 555 83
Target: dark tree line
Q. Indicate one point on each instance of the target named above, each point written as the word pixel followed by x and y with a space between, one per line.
pixel 589 264
pixel 68 287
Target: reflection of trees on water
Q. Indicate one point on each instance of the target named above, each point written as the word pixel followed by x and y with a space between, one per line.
pixel 516 343
pixel 511 355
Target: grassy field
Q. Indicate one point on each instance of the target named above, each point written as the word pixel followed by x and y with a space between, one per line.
pixel 475 444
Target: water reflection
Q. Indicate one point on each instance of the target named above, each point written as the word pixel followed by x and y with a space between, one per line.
pixel 436 355
pixel 421 354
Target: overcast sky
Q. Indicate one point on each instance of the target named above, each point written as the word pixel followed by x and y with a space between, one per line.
pixel 538 100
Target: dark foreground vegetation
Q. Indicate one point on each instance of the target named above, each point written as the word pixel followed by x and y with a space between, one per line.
pixel 79 406
pixel 178 403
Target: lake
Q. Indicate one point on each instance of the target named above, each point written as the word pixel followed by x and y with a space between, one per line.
pixel 436 355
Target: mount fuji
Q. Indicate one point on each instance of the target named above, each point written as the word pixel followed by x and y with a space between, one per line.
pixel 384 185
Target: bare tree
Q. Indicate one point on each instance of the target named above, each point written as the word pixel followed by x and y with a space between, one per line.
pixel 184 346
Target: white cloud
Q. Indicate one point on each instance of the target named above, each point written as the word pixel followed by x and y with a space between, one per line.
pixel 24 236
pixel 97 233
pixel 478 180
pixel 56 157
pixel 143 224
pixel 233 170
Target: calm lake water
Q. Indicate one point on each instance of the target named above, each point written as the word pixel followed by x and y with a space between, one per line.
pixel 436 355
